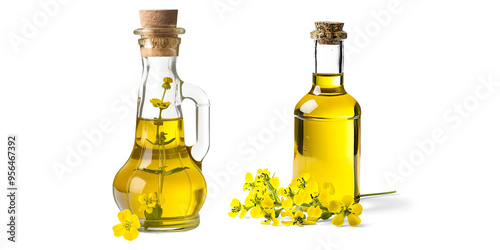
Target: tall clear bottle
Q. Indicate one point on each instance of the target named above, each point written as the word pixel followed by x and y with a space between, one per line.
pixel 162 181
pixel 327 119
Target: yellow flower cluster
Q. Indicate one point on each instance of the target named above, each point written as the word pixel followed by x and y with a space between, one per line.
pixel 269 201
pixel 157 103
pixel 149 202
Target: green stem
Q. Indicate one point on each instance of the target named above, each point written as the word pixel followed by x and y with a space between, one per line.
pixel 163 96
pixel 373 194
pixel 160 176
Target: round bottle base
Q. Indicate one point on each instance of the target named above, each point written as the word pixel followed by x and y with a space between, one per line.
pixel 178 224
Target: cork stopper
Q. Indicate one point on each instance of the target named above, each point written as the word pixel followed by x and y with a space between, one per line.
pixel 328 32
pixel 158 18
pixel 159 33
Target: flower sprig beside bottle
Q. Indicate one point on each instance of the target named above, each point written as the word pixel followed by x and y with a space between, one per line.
pixel 303 202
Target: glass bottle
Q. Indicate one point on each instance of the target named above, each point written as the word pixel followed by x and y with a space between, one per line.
pixel 162 181
pixel 327 119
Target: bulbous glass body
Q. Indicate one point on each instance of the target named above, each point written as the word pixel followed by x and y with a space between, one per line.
pixel 161 181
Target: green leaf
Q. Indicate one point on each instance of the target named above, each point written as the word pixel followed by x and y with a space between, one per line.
pixel 173 171
pixel 326 215
pixel 278 212
pixel 150 142
pixel 149 171
pixel 169 141
pixel 155 215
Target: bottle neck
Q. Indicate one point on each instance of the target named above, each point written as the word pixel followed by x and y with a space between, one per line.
pixel 328 76
pixel 158 66
pixel 160 84
pixel 329 58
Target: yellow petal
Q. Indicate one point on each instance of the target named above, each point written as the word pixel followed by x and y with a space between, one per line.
pixel 299 198
pixel 248 177
pixel 149 210
pixel 289 214
pixel 262 172
pixel 287 222
pixel 164 105
pixel 267 202
pixel 131 235
pixel 233 214
pixel 338 220
pixel 248 202
pixel 168 80
pixel 356 209
pixel 299 214
pixel 314 212
pixel 307 197
pixel 265 222
pixel 135 233
pixel 124 215
pixel 288 203
pixel 281 192
pixel 118 229
pixel 309 218
pixel 308 222
pixel 353 220
pixel 335 206
pixel 243 212
pixel 283 213
pixel 235 203
pixel 324 198
pixel 275 182
pixel 347 200
pixel 135 221
pixel 142 199
pixel 276 222
pixel 256 212
pixel 155 102
pixel 310 211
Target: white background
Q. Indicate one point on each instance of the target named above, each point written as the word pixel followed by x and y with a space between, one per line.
pixel 411 64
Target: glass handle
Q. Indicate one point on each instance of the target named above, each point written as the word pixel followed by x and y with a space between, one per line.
pixel 198 96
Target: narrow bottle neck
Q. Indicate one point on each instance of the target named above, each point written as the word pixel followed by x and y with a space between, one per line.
pixel 328 76
pixel 156 72
pixel 329 58
pixel 159 66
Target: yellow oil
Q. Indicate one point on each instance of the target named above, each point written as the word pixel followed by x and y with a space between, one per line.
pixel 327 135
pixel 184 192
